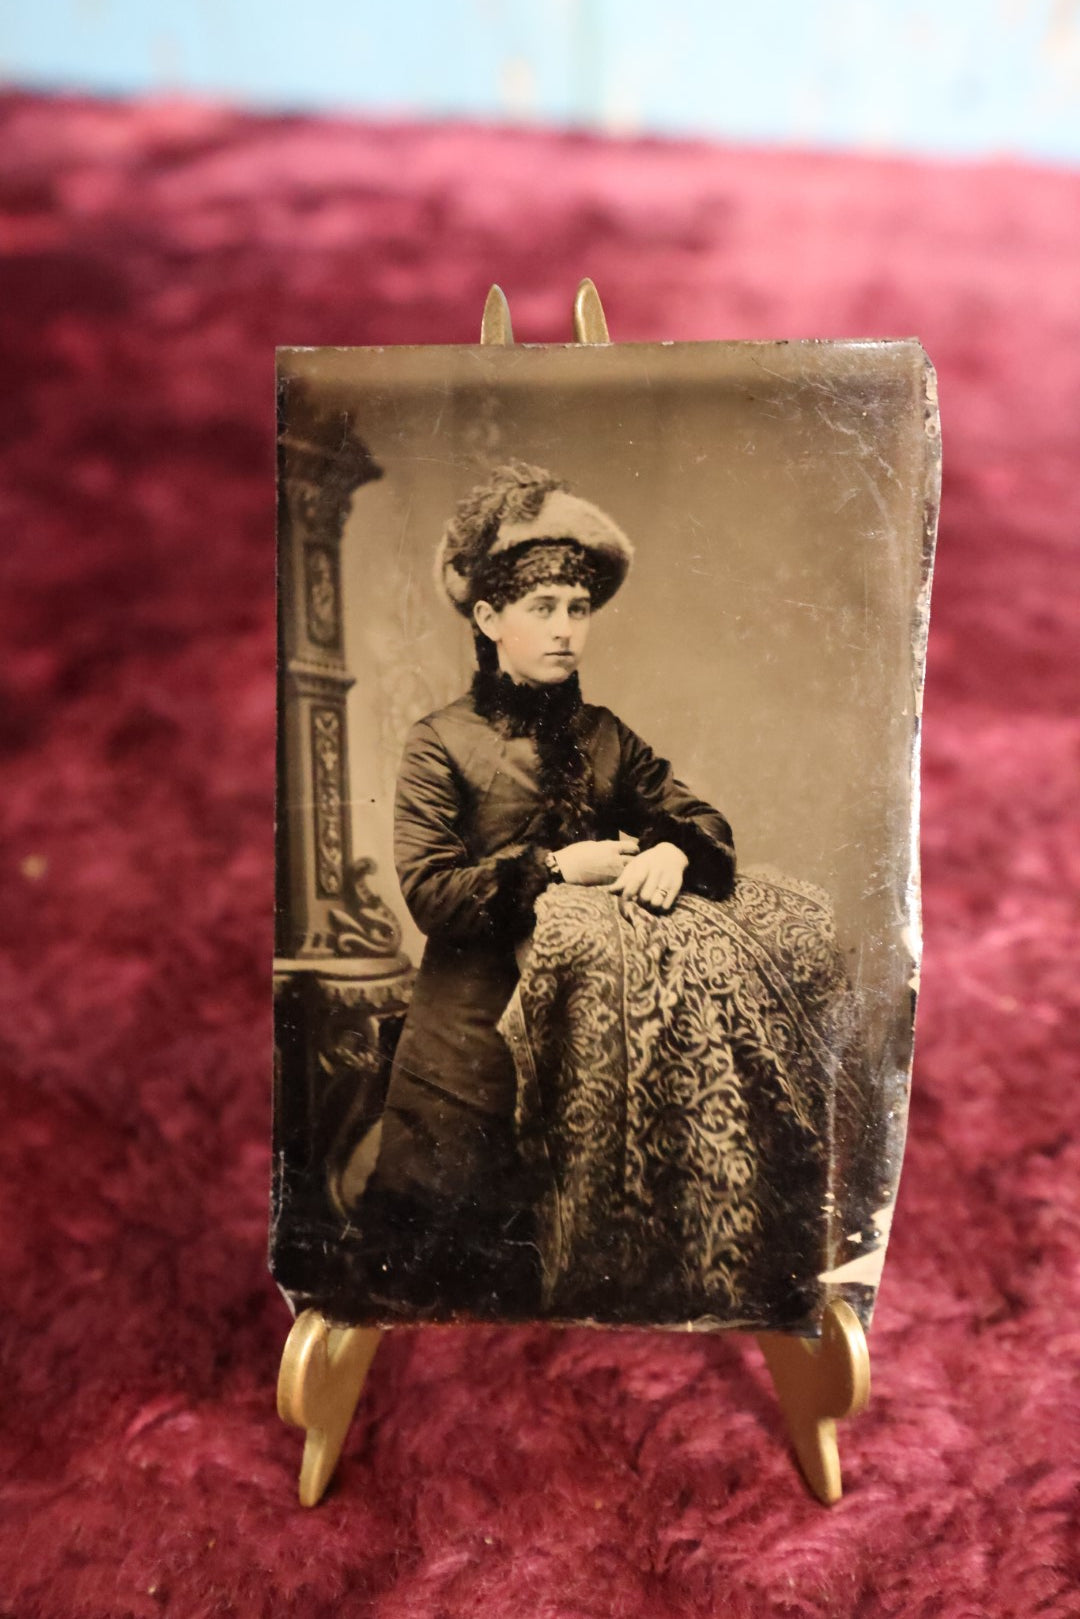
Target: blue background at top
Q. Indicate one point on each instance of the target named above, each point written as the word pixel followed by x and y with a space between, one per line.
pixel 960 77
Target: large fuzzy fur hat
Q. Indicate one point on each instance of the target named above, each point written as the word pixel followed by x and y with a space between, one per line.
pixel 517 505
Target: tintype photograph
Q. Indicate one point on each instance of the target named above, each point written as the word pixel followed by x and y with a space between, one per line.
pixel 597 912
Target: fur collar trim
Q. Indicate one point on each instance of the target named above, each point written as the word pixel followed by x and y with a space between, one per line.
pixel 552 716
pixel 521 710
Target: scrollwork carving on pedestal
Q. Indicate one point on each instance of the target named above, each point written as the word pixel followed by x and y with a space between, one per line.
pixel 322 596
pixel 328 796
pixel 322 462
pixel 347 1041
pixel 366 926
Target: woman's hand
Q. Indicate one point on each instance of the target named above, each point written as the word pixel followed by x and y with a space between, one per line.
pixel 590 862
pixel 654 877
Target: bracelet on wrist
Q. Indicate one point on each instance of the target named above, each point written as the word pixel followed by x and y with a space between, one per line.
pixel 554 870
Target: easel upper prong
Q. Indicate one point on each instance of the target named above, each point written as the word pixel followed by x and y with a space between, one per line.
pixel 590 323
pixel 495 326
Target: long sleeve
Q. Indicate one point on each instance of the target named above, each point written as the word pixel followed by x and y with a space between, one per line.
pixel 657 808
pixel 447 891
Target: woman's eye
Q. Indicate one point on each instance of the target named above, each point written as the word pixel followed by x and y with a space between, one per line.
pixel 579 610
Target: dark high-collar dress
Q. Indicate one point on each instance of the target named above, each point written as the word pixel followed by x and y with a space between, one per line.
pixel 488 787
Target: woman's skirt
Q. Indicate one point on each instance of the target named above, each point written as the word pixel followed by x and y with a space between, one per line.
pixel 675 1084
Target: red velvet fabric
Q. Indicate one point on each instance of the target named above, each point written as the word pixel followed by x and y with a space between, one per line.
pixel 154 256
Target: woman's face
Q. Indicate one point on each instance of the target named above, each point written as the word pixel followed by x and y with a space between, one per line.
pixel 541 636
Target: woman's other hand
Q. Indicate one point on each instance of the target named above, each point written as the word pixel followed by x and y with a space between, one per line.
pixel 654 877
pixel 602 861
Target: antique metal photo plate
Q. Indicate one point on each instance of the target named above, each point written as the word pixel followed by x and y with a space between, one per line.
pixel 598 907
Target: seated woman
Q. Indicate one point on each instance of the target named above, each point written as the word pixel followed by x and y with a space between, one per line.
pixel 521 797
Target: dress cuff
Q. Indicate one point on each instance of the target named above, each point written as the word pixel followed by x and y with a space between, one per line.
pixel 710 869
pixel 518 881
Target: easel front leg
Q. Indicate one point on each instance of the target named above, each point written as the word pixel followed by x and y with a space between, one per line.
pixel 323 1370
pixel 817 1384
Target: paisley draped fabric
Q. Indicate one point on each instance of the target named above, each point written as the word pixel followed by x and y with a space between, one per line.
pixel 675 1077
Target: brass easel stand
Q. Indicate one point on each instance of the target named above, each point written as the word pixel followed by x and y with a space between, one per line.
pixel 323 1370
pixel 817 1382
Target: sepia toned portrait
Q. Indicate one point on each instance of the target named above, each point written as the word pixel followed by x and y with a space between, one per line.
pixel 597 914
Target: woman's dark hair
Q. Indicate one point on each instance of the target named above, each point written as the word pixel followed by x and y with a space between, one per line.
pixel 487 653
pixel 510 575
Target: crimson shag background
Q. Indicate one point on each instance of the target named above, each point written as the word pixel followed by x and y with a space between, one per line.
pixel 154 257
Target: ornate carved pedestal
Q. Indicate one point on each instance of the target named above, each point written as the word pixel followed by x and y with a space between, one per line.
pixel 336 1023
pixel 341 982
